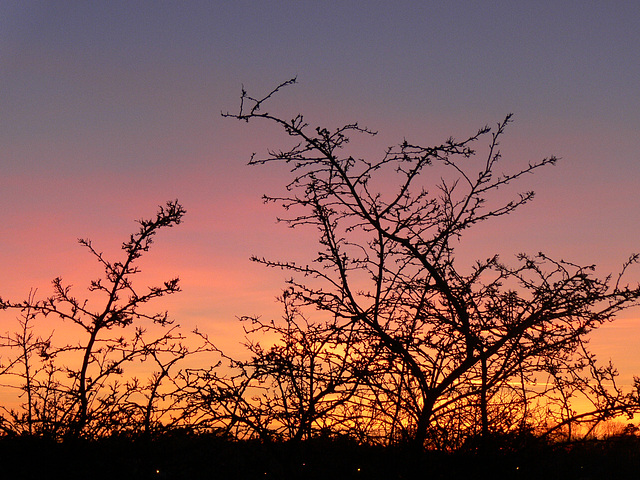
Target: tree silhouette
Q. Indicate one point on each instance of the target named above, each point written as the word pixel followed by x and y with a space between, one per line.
pixel 387 335
pixel 298 387
pixel 459 349
pixel 74 391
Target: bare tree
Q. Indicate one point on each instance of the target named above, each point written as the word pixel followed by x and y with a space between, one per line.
pixel 23 366
pixel 297 387
pixel 480 347
pixel 76 391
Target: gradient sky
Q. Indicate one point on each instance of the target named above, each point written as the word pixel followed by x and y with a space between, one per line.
pixel 108 109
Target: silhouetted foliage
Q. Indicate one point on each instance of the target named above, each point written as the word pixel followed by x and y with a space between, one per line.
pixel 294 389
pixel 387 339
pixel 179 455
pixel 78 390
pixel 448 351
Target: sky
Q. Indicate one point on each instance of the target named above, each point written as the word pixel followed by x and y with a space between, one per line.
pixel 108 109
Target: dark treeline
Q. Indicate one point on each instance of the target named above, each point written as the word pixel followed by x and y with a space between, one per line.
pixel 179 455
pixel 386 339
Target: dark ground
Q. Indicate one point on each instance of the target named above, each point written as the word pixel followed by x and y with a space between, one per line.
pixel 206 457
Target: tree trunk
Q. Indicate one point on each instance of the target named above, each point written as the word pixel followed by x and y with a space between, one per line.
pixel 483 398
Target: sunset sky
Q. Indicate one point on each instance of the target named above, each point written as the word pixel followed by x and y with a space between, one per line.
pixel 108 109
